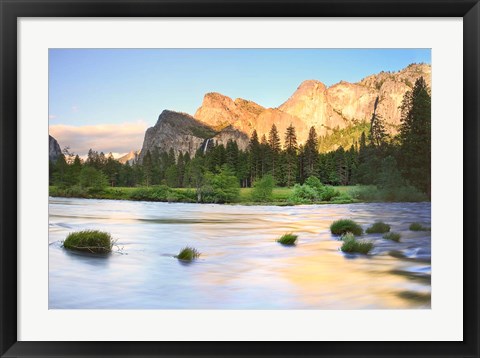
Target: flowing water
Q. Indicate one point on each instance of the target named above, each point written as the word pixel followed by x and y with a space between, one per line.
pixel 241 266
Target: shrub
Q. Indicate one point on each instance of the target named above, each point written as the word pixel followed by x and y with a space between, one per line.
pixel 343 226
pixel 263 189
pixel 418 227
pixel 312 190
pixel 327 193
pixel 188 254
pixel 352 245
pixel 303 194
pixel 394 236
pixel 220 188
pixel 288 239
pixel 89 240
pixel 378 228
pixel 314 182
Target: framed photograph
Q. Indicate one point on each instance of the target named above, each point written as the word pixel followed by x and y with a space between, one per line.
pixel 239 178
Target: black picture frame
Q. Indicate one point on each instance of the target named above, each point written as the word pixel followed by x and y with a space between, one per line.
pixel 11 10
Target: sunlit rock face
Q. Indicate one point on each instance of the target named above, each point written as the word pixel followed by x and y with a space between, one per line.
pixel 220 111
pixel 220 118
pixel 54 150
pixel 314 104
pixel 130 157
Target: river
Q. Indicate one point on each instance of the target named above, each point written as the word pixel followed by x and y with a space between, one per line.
pixel 241 266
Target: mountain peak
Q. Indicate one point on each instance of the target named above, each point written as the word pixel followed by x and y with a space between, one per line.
pixel 310 84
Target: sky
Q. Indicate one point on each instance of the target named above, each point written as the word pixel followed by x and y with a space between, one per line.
pixel 105 99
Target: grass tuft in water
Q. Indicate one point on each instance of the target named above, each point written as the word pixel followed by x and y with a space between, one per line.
pixel 343 226
pixel 394 236
pixel 418 227
pixel 288 239
pixel 188 254
pixel 93 241
pixel 378 228
pixel 352 245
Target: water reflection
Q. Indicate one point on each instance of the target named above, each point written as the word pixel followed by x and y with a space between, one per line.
pixel 241 264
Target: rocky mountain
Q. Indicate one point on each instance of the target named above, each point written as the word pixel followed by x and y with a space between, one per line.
pixel 130 157
pixel 184 133
pixel 314 104
pixel 341 107
pixel 54 150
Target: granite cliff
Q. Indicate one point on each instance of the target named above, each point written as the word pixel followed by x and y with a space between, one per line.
pixel 314 104
pixel 329 109
pixel 54 150
pixel 184 133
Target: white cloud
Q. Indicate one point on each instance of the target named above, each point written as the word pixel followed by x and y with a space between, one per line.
pixel 52 116
pixel 115 138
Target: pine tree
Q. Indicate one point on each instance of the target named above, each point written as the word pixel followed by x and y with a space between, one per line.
pixel 275 147
pixel 415 136
pixel 147 168
pixel 254 157
pixel 231 156
pixel 111 170
pixel 265 166
pixel 311 153
pixel 180 170
pixel 291 139
pixel 378 134
pixel 291 148
pixel 342 168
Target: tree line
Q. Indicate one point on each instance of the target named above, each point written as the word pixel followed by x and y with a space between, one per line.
pixel 376 158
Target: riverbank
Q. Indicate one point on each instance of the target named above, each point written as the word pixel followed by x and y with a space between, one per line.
pixel 280 196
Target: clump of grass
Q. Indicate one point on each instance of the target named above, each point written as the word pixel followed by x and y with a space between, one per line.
pixel 378 228
pixel 93 241
pixel 188 254
pixel 343 226
pixel 352 245
pixel 347 236
pixel 418 227
pixel 288 239
pixel 394 236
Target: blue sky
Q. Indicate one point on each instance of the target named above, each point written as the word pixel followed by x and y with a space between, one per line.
pixel 126 89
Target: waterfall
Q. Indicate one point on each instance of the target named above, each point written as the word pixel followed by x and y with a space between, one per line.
pixel 206 146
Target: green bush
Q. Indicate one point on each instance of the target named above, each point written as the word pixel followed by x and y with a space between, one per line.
pixel 418 227
pixel 352 245
pixel 314 182
pixel 93 241
pixel 328 193
pixel 220 188
pixel 188 254
pixel 378 228
pixel 288 239
pixel 343 226
pixel 312 191
pixel 394 236
pixel 302 194
pixel 263 189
